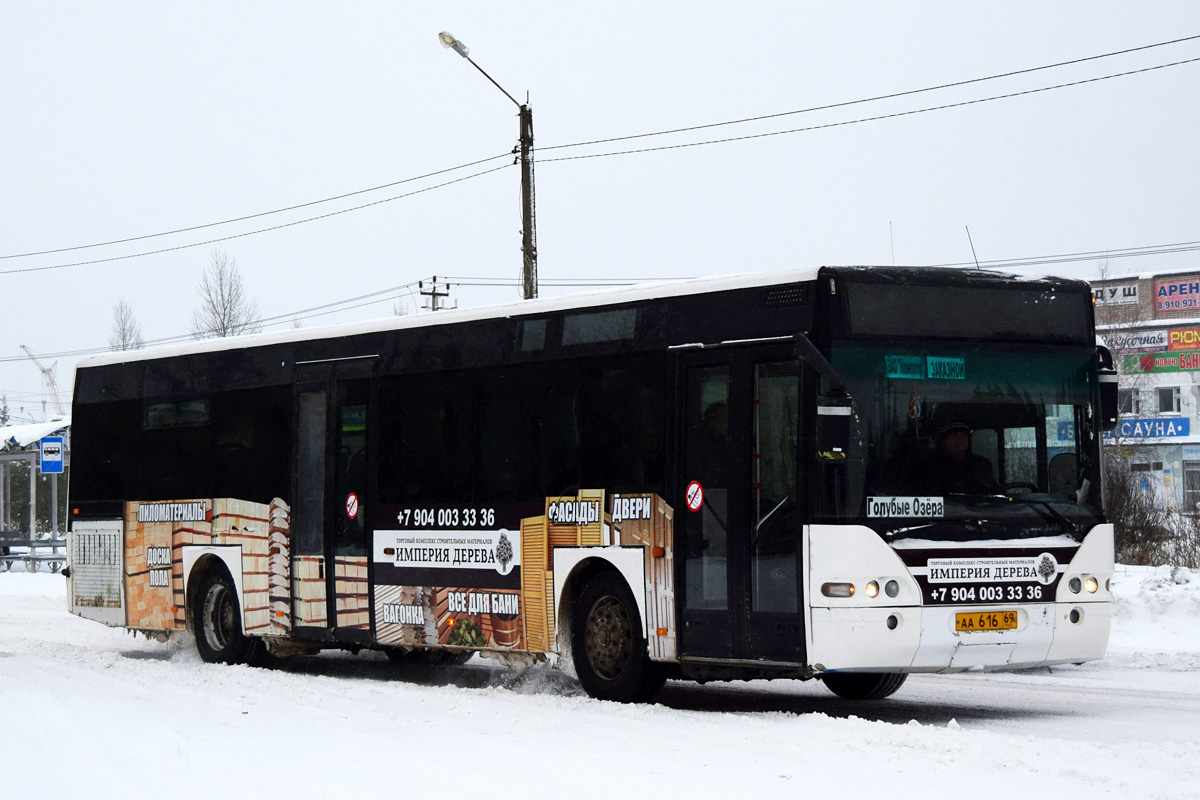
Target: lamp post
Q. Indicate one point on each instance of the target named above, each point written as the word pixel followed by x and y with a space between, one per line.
pixel 528 232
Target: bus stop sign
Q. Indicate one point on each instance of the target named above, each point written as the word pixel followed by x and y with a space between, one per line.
pixel 52 455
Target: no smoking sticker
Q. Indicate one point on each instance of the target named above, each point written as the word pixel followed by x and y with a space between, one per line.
pixel 352 505
pixel 695 496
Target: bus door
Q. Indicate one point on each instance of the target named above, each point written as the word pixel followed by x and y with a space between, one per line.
pixel 739 501
pixel 330 517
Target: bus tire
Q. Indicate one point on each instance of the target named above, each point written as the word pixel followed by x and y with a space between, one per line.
pixel 864 685
pixel 607 644
pixel 218 623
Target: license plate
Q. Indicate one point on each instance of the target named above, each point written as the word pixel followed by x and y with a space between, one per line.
pixel 986 621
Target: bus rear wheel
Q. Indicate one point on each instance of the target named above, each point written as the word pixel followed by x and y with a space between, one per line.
pixel 864 685
pixel 217 621
pixel 607 643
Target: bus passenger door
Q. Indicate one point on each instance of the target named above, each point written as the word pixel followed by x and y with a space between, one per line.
pixel 739 504
pixel 330 515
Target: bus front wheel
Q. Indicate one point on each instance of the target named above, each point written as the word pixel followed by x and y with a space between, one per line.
pixel 864 685
pixel 607 643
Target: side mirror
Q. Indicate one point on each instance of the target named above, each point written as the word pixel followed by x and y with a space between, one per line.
pixel 834 414
pixel 1109 402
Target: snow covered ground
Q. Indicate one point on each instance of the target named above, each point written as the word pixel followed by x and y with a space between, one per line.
pixel 87 711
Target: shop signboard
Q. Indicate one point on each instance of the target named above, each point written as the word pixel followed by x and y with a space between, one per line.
pixel 1186 361
pixel 1133 341
pixel 1160 428
pixel 1177 295
pixel 1122 295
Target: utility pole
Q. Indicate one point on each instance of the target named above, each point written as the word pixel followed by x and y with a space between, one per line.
pixel 528 232
pixel 524 150
pixel 435 296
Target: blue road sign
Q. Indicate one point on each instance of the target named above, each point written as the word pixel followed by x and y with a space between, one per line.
pixel 52 455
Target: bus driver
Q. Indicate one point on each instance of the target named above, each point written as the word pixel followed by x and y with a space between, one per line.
pixel 955 469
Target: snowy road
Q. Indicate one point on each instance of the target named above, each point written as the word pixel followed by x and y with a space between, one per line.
pixel 93 712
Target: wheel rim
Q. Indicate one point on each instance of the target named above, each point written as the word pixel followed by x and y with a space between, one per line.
pixel 218 617
pixel 608 638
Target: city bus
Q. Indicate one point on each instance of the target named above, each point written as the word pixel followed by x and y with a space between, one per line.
pixel 846 473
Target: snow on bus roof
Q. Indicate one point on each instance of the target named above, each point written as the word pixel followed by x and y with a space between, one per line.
pixel 624 294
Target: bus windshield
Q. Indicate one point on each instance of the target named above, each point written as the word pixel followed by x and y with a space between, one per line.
pixel 971 441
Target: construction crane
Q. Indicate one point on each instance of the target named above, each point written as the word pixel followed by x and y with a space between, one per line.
pixel 51 382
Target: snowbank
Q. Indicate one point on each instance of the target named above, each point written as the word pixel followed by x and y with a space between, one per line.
pixel 95 712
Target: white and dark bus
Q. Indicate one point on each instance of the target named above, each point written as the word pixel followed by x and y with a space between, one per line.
pixel 851 474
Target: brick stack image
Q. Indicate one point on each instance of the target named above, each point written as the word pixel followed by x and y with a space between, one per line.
pixel 146 606
pixel 350 589
pixel 278 567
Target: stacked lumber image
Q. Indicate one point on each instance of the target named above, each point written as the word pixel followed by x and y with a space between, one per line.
pixel 399 633
pixel 351 593
pixel 308 583
pixel 243 523
pixel 182 535
pixel 279 567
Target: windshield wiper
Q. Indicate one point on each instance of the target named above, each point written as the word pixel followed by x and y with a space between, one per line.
pixel 1053 515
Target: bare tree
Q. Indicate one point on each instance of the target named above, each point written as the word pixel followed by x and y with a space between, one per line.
pixel 224 310
pixel 126 332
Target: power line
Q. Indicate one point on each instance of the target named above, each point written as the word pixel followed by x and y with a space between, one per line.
pixel 872 119
pixel 875 98
pixel 255 232
pixel 278 319
pixel 258 215
pixel 393 292
pixel 1088 255
pixel 336 306
pixel 597 155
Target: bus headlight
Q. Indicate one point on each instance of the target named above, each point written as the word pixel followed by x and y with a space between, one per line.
pixel 837 589
pixel 1091 584
pixel 1074 585
pixel 872 589
pixel 891 588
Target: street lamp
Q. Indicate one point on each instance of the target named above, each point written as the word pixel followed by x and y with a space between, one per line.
pixel 528 234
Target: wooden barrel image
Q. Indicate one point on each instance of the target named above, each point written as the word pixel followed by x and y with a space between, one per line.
pixel 506 630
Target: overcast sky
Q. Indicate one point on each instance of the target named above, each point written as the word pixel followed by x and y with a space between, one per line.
pixel 122 120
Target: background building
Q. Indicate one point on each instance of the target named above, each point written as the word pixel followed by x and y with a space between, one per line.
pixel 1151 322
